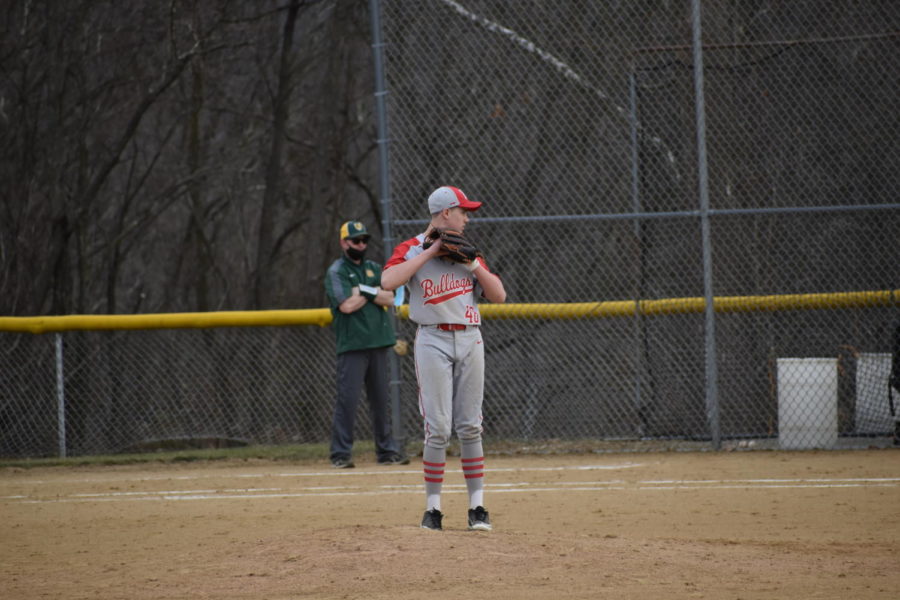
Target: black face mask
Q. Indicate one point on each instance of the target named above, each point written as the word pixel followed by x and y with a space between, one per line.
pixel 355 253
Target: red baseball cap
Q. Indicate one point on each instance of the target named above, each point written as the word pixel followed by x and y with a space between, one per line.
pixel 449 197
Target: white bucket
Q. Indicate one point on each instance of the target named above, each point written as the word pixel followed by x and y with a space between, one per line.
pixel 807 403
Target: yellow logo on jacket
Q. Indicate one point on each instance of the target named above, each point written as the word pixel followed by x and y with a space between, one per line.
pixel 369 273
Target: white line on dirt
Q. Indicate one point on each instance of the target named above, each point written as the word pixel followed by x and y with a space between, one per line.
pixel 328 473
pixel 509 488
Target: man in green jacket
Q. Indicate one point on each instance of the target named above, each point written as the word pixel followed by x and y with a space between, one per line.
pixel 364 337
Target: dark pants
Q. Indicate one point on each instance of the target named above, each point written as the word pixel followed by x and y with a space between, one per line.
pixel 353 369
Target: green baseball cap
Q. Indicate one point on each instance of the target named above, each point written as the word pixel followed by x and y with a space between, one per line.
pixel 353 230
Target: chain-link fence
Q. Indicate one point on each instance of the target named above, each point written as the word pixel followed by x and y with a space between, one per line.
pixel 93 392
pixel 576 123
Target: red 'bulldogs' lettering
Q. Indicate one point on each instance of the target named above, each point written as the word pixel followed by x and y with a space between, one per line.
pixel 448 284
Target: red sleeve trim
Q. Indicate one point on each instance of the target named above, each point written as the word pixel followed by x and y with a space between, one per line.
pixel 399 255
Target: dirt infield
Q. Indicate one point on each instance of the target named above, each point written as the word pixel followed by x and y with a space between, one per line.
pixel 692 525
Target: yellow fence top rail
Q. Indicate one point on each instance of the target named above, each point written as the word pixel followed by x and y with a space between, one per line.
pixel 574 310
pixel 246 318
pixel 671 306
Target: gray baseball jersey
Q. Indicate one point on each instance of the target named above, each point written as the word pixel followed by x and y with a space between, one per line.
pixel 449 364
pixel 441 291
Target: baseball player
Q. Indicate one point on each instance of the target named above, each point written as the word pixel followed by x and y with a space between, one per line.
pixel 445 276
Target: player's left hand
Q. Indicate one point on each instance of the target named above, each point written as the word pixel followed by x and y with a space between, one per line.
pixel 454 246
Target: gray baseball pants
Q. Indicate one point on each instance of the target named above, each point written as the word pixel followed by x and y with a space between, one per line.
pixel 450 373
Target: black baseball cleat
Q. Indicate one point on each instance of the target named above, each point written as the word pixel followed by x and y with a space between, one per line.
pixel 479 519
pixel 342 463
pixel 394 459
pixel 432 519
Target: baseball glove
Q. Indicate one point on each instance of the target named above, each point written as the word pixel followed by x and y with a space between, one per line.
pixel 454 245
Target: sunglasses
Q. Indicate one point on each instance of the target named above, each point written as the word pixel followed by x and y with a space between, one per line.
pixel 357 241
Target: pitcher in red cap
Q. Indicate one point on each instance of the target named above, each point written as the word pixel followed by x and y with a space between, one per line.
pixel 449 349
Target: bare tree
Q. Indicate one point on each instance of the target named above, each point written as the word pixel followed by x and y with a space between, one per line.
pixel 179 156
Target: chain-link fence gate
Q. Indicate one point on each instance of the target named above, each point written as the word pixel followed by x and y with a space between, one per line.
pixel 576 123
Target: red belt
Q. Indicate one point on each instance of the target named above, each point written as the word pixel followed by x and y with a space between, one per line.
pixel 451 326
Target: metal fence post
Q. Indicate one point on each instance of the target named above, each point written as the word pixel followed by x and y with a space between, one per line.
pixel 638 326
pixel 384 194
pixel 60 396
pixel 712 389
